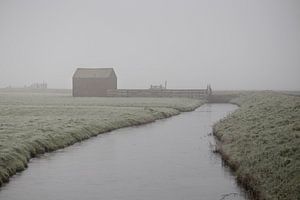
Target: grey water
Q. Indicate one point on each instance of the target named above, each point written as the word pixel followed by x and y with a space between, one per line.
pixel 170 159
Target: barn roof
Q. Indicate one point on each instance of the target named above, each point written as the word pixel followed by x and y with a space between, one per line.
pixel 93 72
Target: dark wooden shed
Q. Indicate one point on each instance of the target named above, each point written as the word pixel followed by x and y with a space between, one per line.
pixel 93 82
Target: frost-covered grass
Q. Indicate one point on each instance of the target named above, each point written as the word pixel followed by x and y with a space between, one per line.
pixel 261 142
pixel 65 99
pixel 34 123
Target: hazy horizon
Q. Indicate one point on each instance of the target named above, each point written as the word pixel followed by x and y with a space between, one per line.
pixel 243 45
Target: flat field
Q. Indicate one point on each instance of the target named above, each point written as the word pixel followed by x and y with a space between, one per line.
pixel 261 142
pixel 32 123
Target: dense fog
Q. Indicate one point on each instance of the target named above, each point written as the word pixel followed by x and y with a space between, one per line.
pixel 236 44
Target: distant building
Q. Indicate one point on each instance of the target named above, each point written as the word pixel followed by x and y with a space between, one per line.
pixel 42 85
pixel 93 82
pixel 158 87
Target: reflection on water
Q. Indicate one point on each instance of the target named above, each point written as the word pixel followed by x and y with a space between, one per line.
pixel 169 159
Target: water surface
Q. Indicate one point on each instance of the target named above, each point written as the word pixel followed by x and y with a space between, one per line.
pixel 166 160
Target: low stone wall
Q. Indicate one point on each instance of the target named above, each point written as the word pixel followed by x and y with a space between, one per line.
pixel 188 93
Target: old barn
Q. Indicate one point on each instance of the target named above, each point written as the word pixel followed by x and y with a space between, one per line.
pixel 93 82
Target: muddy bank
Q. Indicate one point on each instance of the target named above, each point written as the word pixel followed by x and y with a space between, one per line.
pixel 261 143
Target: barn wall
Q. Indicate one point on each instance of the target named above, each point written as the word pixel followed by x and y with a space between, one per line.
pixel 112 83
pixel 93 87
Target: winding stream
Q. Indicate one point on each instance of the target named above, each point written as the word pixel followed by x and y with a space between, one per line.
pixel 166 160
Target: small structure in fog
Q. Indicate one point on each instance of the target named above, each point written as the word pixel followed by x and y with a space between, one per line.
pixel 209 90
pixel 42 85
pixel 93 82
pixel 158 87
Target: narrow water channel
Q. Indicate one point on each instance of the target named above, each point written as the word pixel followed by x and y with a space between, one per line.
pixel 166 160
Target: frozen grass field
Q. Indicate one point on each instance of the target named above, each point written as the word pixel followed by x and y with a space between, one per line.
pixel 34 123
pixel 261 142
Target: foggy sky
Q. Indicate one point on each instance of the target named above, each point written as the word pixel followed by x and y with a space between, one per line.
pixel 232 44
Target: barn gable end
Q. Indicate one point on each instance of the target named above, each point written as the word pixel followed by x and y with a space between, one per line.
pixel 93 82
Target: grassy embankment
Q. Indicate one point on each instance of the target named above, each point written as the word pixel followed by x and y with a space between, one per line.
pixel 261 142
pixel 34 123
